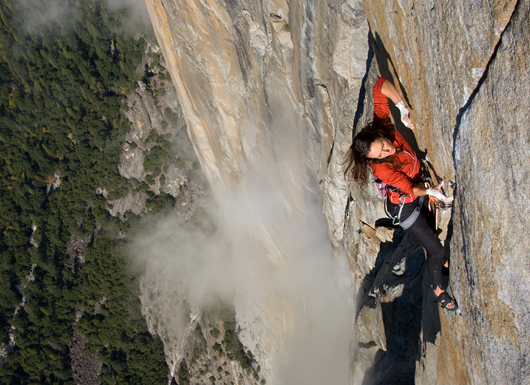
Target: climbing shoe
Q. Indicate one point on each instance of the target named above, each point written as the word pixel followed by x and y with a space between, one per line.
pixel 446 300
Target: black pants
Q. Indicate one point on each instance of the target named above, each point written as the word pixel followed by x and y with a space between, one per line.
pixel 424 235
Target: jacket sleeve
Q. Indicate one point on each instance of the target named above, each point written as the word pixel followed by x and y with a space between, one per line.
pixel 381 110
pixel 395 178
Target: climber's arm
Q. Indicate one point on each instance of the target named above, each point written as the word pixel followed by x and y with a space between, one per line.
pixel 436 192
pixel 390 91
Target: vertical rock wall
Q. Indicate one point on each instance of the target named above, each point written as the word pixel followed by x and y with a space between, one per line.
pixel 464 69
pixel 254 75
pixel 244 66
pixel 269 90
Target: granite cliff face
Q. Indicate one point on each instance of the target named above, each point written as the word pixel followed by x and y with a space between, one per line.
pixel 465 71
pixel 265 89
pixel 280 83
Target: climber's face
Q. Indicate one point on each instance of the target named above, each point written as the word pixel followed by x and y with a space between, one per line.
pixel 381 148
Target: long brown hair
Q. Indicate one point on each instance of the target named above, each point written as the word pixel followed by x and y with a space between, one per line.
pixel 357 160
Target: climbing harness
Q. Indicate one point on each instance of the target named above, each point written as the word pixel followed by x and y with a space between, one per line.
pixel 396 220
pixel 384 190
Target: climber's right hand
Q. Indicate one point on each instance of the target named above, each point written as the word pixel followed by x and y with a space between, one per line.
pixel 438 194
pixel 404 111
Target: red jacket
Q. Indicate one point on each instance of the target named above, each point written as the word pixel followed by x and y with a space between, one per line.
pixel 409 174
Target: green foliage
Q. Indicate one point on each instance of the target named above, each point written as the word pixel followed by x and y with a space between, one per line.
pixel 197 345
pixel 171 117
pixel 217 347
pixel 154 159
pixel 61 111
pixel 159 203
pixel 215 333
pixel 183 374
pixel 232 345
pixel 155 138
pixel 149 180
pixel 119 192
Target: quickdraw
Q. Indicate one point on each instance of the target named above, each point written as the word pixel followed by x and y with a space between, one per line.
pixel 433 205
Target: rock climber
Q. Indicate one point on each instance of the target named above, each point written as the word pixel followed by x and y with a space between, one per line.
pixel 382 148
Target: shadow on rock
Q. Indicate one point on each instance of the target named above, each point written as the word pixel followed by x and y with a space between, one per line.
pixel 396 316
pixel 389 322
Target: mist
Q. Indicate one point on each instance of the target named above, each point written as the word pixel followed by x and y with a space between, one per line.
pixel 38 14
pixel 270 256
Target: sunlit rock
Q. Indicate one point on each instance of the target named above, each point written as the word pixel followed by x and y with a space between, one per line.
pixel 270 93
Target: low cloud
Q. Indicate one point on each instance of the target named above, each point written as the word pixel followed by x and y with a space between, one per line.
pixel 35 14
pixel 272 257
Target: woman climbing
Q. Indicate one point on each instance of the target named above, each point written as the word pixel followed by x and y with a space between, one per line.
pixel 392 160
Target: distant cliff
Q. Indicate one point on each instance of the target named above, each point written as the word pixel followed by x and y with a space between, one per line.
pixel 269 93
pixel 252 76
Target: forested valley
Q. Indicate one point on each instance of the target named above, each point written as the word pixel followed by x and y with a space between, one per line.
pixel 64 79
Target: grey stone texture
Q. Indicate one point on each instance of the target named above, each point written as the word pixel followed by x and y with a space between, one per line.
pixel 75 252
pixel 85 370
pixel 269 83
pixel 162 115
pixel 247 70
pixel 464 69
